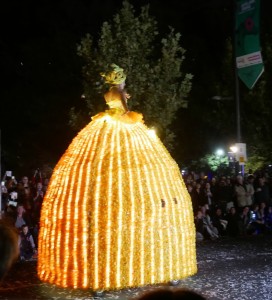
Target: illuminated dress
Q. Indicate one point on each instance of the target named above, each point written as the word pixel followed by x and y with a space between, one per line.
pixel 116 213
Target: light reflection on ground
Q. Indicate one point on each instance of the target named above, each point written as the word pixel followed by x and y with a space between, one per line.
pixel 227 269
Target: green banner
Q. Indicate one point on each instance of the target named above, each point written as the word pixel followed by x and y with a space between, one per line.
pixel 249 61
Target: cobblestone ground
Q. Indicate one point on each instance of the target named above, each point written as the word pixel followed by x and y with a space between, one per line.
pixel 227 269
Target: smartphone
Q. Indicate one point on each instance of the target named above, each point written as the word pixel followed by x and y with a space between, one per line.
pixel 8 173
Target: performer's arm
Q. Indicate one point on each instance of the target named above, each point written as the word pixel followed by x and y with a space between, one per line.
pixel 124 100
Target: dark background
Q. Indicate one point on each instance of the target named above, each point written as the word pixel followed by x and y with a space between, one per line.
pixel 41 72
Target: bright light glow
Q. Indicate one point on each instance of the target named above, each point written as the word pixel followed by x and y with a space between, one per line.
pixel 233 149
pixel 116 213
pixel 220 152
pixel 152 132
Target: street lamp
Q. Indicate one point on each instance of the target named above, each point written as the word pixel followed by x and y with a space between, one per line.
pixel 220 152
pixel 237 156
pixel 234 149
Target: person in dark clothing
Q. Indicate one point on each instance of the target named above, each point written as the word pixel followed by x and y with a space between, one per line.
pixel 26 244
pixel 199 226
pixel 198 198
pixel 225 195
pixel 262 192
pixel 244 221
pixel 219 222
pixel 233 223
pixel 257 221
pixel 268 219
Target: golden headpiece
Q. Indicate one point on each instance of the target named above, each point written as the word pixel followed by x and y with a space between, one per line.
pixel 115 76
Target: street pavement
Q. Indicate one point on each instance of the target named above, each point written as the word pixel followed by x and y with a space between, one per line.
pixel 227 269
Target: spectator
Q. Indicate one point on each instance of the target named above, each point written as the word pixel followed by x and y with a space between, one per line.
pixel 241 192
pixel 26 244
pixel 220 222
pixel 208 195
pixel 20 221
pixel 214 189
pixel 244 221
pixel 262 193
pixel 224 194
pixel 11 184
pixel 5 196
pixel 210 231
pixel 202 178
pixel 268 219
pixel 199 225
pixel 37 203
pixel 25 193
pixel 262 210
pixel 190 189
pixel 22 218
pixel 257 225
pixel 36 210
pixel 45 184
pixel 233 223
pixel 229 193
pixel 198 199
pixel 250 190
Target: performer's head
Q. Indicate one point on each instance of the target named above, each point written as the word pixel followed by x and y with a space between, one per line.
pixel 115 75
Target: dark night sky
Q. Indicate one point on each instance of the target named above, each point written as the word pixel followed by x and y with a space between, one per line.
pixel 41 70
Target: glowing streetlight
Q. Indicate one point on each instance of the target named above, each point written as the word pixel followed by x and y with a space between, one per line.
pixel 220 152
pixel 234 149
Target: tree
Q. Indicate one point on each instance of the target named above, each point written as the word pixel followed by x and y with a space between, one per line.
pixel 213 162
pixel 155 81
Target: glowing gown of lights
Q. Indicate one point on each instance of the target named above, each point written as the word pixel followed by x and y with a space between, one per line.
pixel 116 213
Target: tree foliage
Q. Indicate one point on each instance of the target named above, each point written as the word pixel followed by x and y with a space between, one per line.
pixel 153 68
pixel 256 162
pixel 216 163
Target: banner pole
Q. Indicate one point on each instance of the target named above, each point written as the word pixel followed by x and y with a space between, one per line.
pixel 237 89
pixel 237 99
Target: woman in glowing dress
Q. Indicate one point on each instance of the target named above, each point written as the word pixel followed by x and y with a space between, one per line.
pixel 116 213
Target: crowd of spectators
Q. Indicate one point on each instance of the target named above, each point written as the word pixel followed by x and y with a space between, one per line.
pixel 21 207
pixel 230 205
pixel 223 206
